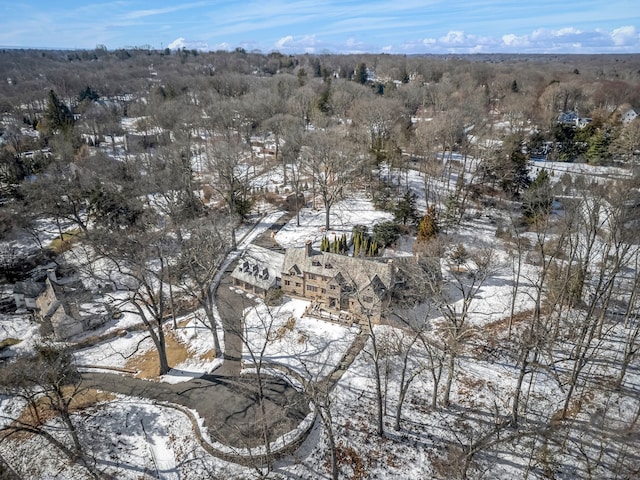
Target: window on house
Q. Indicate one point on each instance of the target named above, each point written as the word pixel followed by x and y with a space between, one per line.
pixel 332 287
pixel 287 282
pixel 311 276
pixel 298 284
pixel 312 288
pixel 323 290
pixel 315 263
pixel 328 265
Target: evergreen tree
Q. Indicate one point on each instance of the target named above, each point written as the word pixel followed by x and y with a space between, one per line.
pixel 428 227
pixel 598 150
pixel 405 209
pixel 538 198
pixel 57 115
pixel 361 75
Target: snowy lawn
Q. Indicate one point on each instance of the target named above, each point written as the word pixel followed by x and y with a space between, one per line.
pixel 310 346
pixel 191 335
pixel 19 333
pixel 343 216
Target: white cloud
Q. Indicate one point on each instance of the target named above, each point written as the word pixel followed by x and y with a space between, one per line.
pixel 454 37
pixel 180 43
pixel 512 40
pixel 282 43
pixel 562 40
pixel 138 14
pixel 627 35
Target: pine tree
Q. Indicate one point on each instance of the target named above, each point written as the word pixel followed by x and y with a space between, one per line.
pixel 361 75
pixel 324 244
pixel 405 208
pixel 428 227
pixel 58 115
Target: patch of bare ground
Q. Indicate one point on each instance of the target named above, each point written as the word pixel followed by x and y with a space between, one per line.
pixel 208 355
pixel 147 365
pixel 502 325
pixel 470 386
pixel 42 411
pixel 490 339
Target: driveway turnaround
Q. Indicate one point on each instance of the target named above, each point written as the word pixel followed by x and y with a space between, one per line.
pixel 230 406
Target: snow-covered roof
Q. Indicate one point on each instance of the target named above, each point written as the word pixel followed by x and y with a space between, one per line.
pixel 259 266
pixel 359 271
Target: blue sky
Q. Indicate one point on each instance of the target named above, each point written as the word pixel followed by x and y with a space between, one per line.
pixel 318 26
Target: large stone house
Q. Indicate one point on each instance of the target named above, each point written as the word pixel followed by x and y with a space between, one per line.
pixel 338 284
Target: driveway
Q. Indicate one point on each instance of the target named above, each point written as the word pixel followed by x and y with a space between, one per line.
pixel 228 402
pixel 229 405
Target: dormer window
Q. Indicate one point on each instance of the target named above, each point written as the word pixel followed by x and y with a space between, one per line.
pixel 315 263
pixel 328 265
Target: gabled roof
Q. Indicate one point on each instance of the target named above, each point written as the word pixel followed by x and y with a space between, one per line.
pixel 28 288
pixel 357 271
pixel 259 267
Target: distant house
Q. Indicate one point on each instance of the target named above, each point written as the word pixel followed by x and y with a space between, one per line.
pixel 338 283
pixel 628 116
pixel 63 305
pixel 258 270
pixel 583 122
pixel 568 118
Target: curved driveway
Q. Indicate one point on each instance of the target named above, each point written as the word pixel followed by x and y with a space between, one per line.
pixel 229 405
pixel 227 401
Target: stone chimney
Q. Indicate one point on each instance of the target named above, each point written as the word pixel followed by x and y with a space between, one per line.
pixel 51 275
pixel 307 248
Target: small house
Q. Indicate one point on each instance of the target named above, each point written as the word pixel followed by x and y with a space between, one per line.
pixel 258 270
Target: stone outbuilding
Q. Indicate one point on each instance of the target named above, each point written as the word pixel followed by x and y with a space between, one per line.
pixel 65 307
pixel 258 270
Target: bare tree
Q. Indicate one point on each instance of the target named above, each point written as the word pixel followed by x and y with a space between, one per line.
pixel 198 264
pixel 224 161
pixel 138 264
pixel 330 164
pixel 467 271
pixel 49 385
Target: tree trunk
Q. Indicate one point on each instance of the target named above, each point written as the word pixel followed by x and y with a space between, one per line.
pixel 516 395
pixel 447 389
pixel 379 419
pixel 208 310
pixel 327 206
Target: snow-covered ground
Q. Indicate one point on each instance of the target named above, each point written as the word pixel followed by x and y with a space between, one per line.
pixel 137 437
pixel 343 216
pixel 310 346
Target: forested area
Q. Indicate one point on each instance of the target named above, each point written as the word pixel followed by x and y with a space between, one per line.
pixel 140 171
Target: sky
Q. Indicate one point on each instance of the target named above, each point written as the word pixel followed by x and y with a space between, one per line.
pixel 328 26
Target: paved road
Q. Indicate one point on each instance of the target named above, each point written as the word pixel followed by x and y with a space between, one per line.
pixel 230 308
pixel 229 405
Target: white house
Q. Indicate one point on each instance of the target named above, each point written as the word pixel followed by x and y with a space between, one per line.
pixel 628 116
